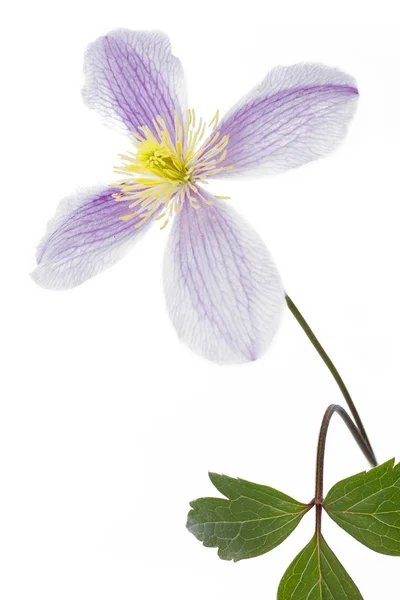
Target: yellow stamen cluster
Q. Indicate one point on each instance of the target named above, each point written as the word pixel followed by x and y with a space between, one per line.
pixel 164 171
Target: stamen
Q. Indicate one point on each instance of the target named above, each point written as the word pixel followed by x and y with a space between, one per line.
pixel 214 121
pixel 162 174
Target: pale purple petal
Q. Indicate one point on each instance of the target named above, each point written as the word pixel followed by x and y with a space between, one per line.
pixel 295 115
pixel 223 291
pixel 85 237
pixel 132 77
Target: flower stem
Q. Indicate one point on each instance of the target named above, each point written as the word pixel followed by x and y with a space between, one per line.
pixel 335 373
pixel 319 472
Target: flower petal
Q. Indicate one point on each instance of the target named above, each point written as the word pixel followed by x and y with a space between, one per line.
pixel 132 77
pixel 85 237
pixel 223 292
pixel 295 115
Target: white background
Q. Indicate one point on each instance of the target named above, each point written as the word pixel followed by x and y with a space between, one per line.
pixel 108 423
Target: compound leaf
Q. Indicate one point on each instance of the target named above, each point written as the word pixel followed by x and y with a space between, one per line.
pixel 316 574
pixel 253 520
pixel 367 506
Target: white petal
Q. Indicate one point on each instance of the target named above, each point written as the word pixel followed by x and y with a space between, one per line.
pixel 132 78
pixel 295 115
pixel 224 294
pixel 85 237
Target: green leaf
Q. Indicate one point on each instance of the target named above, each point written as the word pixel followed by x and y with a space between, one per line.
pixel 367 506
pixel 253 520
pixel 316 574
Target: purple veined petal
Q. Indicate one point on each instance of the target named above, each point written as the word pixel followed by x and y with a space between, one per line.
pixel 85 237
pixel 223 291
pixel 295 115
pixel 132 77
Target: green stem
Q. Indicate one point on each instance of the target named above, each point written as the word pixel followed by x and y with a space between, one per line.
pixel 313 339
pixel 319 472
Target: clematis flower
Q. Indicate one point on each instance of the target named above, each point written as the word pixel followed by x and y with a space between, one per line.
pixel 223 291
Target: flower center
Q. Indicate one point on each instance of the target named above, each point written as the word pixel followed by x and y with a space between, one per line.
pixel 164 171
pixel 158 160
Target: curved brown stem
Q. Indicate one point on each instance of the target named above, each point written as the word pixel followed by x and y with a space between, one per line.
pixel 319 472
